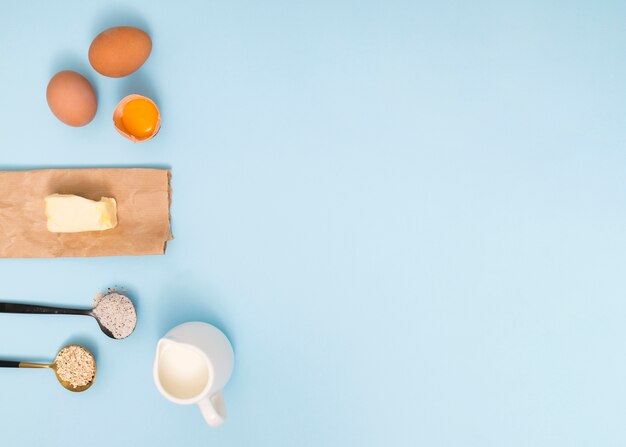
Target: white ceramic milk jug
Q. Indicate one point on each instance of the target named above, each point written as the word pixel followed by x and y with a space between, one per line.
pixel 193 363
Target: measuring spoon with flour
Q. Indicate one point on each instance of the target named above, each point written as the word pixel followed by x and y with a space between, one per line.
pixel 113 311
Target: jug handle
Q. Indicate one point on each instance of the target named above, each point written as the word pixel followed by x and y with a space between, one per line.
pixel 213 409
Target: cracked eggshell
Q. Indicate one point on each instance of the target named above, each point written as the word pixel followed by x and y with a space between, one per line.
pixel 118 122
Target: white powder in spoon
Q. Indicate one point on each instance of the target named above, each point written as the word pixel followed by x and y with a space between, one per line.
pixel 116 313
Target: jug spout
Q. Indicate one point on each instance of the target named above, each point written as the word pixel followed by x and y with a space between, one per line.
pixel 162 345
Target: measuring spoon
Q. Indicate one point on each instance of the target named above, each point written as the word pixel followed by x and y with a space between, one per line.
pixel 104 311
pixel 54 366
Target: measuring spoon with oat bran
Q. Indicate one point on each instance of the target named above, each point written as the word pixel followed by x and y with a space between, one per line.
pixel 74 366
pixel 114 312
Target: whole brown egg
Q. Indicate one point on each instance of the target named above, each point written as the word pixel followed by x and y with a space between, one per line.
pixel 71 98
pixel 119 51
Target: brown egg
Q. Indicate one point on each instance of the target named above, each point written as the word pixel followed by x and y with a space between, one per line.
pixel 119 51
pixel 137 118
pixel 71 98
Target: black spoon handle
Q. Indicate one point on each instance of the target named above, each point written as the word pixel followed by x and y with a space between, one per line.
pixel 15 308
pixel 9 364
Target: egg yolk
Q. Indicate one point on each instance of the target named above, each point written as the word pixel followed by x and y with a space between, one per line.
pixel 140 118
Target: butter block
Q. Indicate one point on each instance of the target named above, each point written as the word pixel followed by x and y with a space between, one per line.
pixel 68 213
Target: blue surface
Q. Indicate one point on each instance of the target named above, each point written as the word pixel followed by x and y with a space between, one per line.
pixel 409 219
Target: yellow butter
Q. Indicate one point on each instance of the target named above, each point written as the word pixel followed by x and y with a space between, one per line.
pixel 68 213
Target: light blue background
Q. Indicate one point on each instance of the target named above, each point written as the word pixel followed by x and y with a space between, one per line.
pixel 409 217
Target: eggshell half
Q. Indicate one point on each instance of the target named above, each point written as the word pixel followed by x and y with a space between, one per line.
pixel 71 98
pixel 118 113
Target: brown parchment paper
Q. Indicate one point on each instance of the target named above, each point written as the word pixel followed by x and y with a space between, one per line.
pixel 143 212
